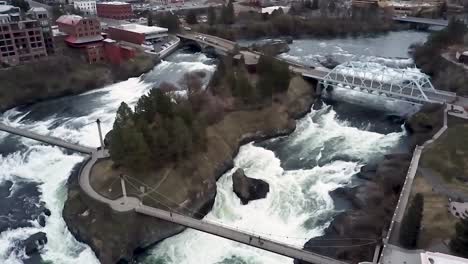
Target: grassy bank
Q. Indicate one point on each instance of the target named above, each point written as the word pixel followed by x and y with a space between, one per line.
pixel 60 76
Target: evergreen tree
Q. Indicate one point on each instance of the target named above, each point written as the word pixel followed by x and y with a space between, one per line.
pixel 169 21
pixel 150 19
pixel 211 15
pixel 183 145
pixel 123 119
pixel 191 17
pixel 22 4
pixel 137 155
pixel 459 243
pixel 411 224
pixel 227 13
pixel 274 76
pixel 315 5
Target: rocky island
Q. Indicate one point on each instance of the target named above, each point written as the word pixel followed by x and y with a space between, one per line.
pixel 189 183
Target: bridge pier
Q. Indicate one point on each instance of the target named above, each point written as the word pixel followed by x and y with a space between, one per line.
pixel 318 89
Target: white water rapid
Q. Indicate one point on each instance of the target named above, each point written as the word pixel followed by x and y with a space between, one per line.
pixel 69 118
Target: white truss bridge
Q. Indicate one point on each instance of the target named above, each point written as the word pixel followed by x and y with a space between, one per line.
pixel 400 84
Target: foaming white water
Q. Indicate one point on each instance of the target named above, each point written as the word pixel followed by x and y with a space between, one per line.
pixel 51 166
pixel 298 205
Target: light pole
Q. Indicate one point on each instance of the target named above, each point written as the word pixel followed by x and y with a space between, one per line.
pixel 100 134
pixel 124 191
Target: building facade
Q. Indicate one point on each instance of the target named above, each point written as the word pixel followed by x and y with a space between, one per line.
pixel 114 10
pixel 81 31
pixel 40 14
pixel 21 41
pixel 88 7
pixel 138 34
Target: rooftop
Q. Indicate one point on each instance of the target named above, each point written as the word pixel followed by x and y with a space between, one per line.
pixel 8 9
pixel 37 9
pixel 69 19
pixel 137 28
pixel 113 3
pixel 82 40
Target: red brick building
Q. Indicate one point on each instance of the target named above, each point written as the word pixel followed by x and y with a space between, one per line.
pixel 81 31
pixel 114 10
pixel 137 34
pixel 115 53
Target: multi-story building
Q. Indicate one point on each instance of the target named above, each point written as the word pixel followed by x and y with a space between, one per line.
pixel 114 10
pixel 21 41
pixel 81 31
pixel 88 7
pixel 40 14
pixel 137 34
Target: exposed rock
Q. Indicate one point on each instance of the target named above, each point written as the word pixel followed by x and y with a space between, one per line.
pixel 271 47
pixel 42 220
pixel 425 123
pixel 34 243
pixel 367 172
pixel 248 189
pixel 329 62
pixel 20 207
pixel 119 236
pixel 372 205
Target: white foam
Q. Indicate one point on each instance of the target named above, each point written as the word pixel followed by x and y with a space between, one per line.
pixel 296 197
pixel 51 167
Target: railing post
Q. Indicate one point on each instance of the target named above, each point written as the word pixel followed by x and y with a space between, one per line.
pixel 100 134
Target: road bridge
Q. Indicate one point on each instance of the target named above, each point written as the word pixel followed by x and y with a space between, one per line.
pixel 422 20
pixel 47 139
pixel 400 84
pixel 223 46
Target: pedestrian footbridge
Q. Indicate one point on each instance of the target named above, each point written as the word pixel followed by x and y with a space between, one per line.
pixel 130 204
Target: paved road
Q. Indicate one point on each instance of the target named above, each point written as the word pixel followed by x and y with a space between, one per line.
pixel 46 139
pixel 238 236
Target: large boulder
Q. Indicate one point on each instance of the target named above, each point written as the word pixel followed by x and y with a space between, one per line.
pixel 271 47
pixel 34 243
pixel 248 189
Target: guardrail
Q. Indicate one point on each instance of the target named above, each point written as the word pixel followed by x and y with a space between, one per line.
pixel 405 191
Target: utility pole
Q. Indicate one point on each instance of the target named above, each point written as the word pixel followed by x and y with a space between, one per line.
pixel 124 191
pixel 100 134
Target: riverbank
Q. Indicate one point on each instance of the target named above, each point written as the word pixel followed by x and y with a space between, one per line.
pixel 372 202
pixel 429 56
pixel 287 25
pixel 115 236
pixel 63 76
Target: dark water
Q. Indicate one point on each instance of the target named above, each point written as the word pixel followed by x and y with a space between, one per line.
pixel 329 146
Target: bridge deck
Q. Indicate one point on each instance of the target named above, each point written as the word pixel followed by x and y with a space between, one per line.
pixel 46 139
pixel 422 20
pixel 238 236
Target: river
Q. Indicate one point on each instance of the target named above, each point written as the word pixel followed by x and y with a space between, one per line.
pixel 328 147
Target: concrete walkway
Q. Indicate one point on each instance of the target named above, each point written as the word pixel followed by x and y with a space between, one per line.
pixel 46 139
pixel 119 205
pixel 237 235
